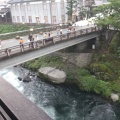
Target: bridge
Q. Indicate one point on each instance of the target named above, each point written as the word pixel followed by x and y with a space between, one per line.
pixel 21 53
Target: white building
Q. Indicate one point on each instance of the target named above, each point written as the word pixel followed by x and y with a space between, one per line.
pixel 38 11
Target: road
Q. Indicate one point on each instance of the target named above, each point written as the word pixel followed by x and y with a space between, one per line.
pixel 12 42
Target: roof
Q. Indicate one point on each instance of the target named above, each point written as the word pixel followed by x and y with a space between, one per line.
pixel 4 10
pixel 23 1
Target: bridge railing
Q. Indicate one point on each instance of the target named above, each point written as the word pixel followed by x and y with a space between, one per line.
pixel 30 46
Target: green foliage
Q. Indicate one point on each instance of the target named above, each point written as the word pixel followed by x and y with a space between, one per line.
pixel 83 72
pixel 91 84
pixel 115 43
pixel 103 70
pixel 71 4
pixel 82 12
pixel 111 14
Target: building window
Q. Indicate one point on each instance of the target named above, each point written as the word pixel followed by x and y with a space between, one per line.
pixel 21 7
pixel 37 19
pixel 30 19
pixel 53 5
pixel 62 5
pixel 14 20
pixel 44 6
pixel 28 7
pixel 63 18
pixel 23 19
pixel 46 19
pixel 18 19
pixel 54 19
pixel 16 7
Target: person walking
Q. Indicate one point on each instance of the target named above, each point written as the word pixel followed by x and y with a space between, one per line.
pixel 57 31
pixel 49 34
pixel 37 38
pixel 68 33
pixel 60 31
pixel 20 41
pixel 30 37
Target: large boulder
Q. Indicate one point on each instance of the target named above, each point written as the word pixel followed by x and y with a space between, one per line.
pixel 114 97
pixel 26 77
pixel 52 74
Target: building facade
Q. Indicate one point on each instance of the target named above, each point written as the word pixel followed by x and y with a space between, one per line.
pixel 42 11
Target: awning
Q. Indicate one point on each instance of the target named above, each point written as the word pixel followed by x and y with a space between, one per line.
pixel 4 11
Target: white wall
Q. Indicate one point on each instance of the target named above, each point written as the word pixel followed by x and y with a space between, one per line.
pixel 36 10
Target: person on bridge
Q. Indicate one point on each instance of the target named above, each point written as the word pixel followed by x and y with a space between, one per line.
pixel 30 37
pixel 49 34
pixel 21 41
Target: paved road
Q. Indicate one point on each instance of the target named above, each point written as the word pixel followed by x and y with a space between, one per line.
pixel 13 42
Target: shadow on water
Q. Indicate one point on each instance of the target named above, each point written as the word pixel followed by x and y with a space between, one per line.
pixel 62 102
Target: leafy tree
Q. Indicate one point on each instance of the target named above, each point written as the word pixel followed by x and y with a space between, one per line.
pixel 82 12
pixel 111 14
pixel 71 6
pixel 88 5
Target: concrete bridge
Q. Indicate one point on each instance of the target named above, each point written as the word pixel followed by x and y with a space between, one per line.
pixel 21 53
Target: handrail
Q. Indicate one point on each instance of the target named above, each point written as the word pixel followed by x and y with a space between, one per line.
pixel 34 45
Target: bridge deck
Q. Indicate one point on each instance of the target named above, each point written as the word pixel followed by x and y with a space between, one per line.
pixel 17 105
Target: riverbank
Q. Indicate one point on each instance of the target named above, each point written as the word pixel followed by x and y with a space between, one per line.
pixel 100 77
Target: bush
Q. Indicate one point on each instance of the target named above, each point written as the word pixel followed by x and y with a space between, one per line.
pixel 91 84
pixel 102 70
pixel 83 72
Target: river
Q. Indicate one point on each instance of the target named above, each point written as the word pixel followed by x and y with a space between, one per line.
pixel 62 102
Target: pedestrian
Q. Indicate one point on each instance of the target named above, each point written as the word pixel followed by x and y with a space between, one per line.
pixel 60 31
pixel 30 37
pixel 49 33
pixel 29 43
pixel 45 35
pixel 20 41
pixel 68 33
pixel 37 38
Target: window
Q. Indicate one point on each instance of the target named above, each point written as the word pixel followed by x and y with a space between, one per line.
pixel 37 19
pixel 44 6
pixel 16 7
pixel 62 5
pixel 54 19
pixel 14 20
pixel 63 18
pixel 45 19
pixel 28 7
pixel 30 19
pixel 18 19
pixel 23 19
pixel 53 5
pixel 22 7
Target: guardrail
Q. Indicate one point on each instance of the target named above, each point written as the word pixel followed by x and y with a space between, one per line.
pixel 26 32
pixel 34 45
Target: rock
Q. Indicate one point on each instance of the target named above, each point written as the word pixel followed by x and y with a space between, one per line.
pixel 52 74
pixel 19 78
pixel 114 97
pixel 26 78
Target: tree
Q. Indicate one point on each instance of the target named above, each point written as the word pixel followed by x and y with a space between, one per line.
pixel 82 12
pixel 88 5
pixel 71 6
pixel 111 13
